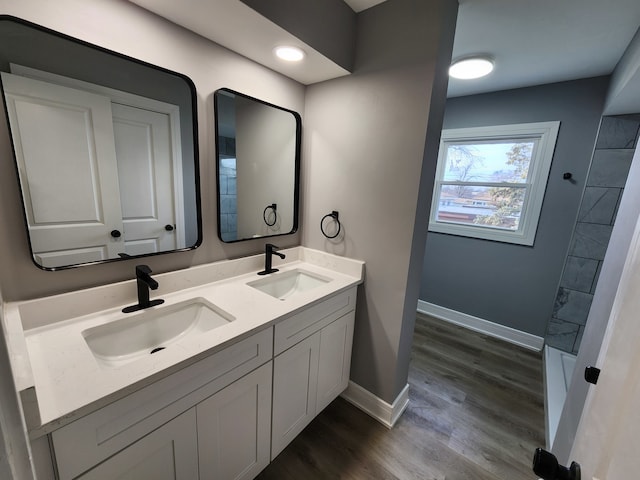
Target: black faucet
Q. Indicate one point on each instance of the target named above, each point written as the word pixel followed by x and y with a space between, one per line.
pixel 144 283
pixel 269 252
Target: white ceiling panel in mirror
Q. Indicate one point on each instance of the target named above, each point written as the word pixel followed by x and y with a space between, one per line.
pixel 105 148
pixel 258 160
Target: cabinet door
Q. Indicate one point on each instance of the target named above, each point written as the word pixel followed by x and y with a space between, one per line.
pixel 88 441
pixel 168 453
pixel 234 428
pixel 295 380
pixel 334 365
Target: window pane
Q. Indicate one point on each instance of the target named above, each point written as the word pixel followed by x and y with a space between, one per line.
pixel 494 207
pixel 492 161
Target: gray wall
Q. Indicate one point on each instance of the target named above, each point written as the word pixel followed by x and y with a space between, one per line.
pixel 617 140
pixel 508 284
pixel 364 139
pixel 133 31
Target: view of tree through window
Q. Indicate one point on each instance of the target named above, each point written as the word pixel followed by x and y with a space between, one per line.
pixel 490 181
pixel 485 183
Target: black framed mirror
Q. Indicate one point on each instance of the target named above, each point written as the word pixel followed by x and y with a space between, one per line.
pixel 258 167
pixel 105 147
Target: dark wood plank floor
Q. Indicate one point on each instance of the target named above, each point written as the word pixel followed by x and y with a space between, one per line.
pixel 476 412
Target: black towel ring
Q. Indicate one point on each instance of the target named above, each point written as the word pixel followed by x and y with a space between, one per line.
pixel 334 214
pixel 273 207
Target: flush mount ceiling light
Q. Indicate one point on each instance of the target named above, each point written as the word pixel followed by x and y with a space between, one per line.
pixel 290 54
pixel 471 67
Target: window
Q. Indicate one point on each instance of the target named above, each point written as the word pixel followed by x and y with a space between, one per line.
pixel 490 181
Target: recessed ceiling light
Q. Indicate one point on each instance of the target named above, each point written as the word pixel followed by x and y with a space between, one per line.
pixel 290 54
pixel 471 67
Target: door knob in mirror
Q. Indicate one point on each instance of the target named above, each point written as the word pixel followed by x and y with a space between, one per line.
pixel 116 233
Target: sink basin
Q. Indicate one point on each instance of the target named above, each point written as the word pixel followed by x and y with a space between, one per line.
pixel 133 337
pixel 283 285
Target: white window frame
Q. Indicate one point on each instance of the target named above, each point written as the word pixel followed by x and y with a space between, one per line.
pixel 546 134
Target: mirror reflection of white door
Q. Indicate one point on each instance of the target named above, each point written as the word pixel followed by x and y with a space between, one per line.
pixel 607 442
pixel 136 142
pixel 63 141
pixel 145 171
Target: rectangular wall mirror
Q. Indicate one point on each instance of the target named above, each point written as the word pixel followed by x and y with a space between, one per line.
pixel 258 167
pixel 105 148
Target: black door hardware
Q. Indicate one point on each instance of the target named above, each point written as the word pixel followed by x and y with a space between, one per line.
pixel 545 465
pixel 591 374
pixel 116 233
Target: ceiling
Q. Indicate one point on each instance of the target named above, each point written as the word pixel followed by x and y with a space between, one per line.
pixel 542 41
pixel 538 42
pixel 360 5
pixel 222 20
pixel 532 42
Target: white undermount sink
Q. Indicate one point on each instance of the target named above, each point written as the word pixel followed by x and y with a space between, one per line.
pixel 283 285
pixel 136 336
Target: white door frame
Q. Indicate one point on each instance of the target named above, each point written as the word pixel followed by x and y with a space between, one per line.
pixel 606 442
pixel 601 308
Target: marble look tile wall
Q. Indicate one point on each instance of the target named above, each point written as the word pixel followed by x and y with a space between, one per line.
pixel 228 192
pixel 615 145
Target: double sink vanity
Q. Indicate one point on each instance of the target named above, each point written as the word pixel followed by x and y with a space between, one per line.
pixel 212 383
pixel 217 368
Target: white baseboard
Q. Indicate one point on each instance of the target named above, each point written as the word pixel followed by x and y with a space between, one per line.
pixel 375 407
pixel 508 334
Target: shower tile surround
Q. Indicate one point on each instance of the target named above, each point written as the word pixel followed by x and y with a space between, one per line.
pixel 615 145
pixel 228 190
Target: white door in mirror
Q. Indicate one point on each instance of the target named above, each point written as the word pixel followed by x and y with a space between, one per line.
pixel 97 177
pixel 145 170
pixel 63 141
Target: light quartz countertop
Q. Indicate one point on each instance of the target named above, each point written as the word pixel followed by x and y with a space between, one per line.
pixel 51 357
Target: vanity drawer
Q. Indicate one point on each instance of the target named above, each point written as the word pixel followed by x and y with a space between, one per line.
pixel 299 326
pixel 91 439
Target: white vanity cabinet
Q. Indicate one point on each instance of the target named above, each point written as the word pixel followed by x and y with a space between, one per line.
pixel 234 426
pixel 164 420
pixel 225 416
pixel 168 453
pixel 311 373
pixel 295 383
pixel 226 436
pixel 335 360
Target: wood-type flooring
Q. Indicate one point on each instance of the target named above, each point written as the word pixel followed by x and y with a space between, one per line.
pixel 476 412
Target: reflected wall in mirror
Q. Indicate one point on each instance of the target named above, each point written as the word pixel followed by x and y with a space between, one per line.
pixel 258 167
pixel 105 148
